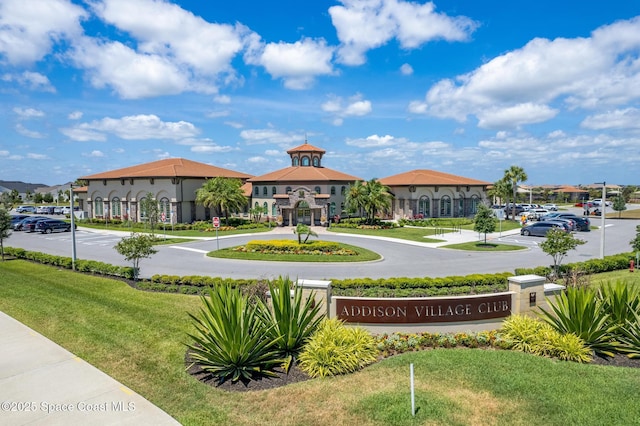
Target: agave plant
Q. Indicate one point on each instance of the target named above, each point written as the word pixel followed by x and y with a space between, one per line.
pixel 293 319
pixel 580 311
pixel 629 337
pixel 229 340
pixel 621 301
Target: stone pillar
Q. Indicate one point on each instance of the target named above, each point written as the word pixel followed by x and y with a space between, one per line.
pixel 322 293
pixel 528 293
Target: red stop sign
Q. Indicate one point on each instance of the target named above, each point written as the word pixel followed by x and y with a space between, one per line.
pixel 216 222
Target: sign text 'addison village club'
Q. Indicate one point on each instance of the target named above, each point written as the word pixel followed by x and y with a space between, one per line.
pixel 391 311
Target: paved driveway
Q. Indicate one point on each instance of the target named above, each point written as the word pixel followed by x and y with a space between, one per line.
pixel 400 258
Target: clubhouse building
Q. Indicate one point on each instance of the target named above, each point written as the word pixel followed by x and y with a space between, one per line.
pixel 305 192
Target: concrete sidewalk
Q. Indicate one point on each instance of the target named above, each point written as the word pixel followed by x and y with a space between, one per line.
pixel 42 383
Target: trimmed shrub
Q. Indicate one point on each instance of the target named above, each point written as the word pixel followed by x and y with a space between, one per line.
pixel 335 349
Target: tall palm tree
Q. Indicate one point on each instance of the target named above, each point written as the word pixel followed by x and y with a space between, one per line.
pixel 515 174
pixel 502 190
pixel 223 194
pixel 377 199
pixel 356 197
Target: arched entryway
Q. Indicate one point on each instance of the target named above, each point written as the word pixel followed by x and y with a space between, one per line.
pixel 303 213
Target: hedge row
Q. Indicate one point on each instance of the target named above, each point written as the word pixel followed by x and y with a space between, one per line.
pixel 615 262
pixel 291 245
pixel 437 222
pixel 90 266
pixel 426 286
pixel 201 281
pixel 202 225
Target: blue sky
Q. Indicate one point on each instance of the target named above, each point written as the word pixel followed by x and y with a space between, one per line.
pixel 384 86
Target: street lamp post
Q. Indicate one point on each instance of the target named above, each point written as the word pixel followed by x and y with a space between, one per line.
pixel 603 215
pixel 73 230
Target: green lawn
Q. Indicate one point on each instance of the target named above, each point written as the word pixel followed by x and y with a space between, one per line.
pixel 138 338
pixel 423 235
pixel 363 255
pixel 481 246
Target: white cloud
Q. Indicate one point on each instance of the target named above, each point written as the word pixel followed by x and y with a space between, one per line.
pixel 31 80
pixel 354 107
pixel 258 160
pixel 406 69
pixel 374 141
pixel 234 124
pixel 4 153
pixel 207 149
pixel 273 153
pixel 514 116
pixel 165 29
pixel 95 154
pixel 262 136
pixel 628 118
pixel 364 25
pixel 26 113
pixel 28 32
pixel 33 156
pixel 118 150
pixel 137 127
pixel 28 133
pixel 75 115
pixel 296 63
pixel 222 99
pixel 218 114
pixel 583 72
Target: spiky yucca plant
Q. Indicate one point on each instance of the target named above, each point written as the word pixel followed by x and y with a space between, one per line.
pixel 579 311
pixel 293 319
pixel 229 340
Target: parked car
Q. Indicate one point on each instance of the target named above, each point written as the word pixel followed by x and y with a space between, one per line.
pixel 66 210
pixel 598 202
pixel 581 223
pixel 558 216
pixel 540 229
pixel 25 209
pixel 48 226
pixel 57 210
pixel 19 226
pixel 509 209
pixel 550 207
pixel 29 225
pixel 536 213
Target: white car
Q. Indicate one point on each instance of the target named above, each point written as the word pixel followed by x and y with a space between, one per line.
pixel 598 202
pixel 550 207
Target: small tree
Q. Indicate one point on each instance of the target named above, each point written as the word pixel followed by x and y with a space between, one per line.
pixel 5 228
pixel 635 243
pixel 485 221
pixel 302 229
pixel 619 205
pixel 557 245
pixel 151 210
pixel 134 248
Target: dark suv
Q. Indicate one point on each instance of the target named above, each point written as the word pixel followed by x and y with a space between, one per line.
pixel 50 225
pixel 582 223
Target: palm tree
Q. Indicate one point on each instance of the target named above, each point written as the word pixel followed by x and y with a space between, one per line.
pixel 356 195
pixel 302 229
pixel 515 174
pixel 223 194
pixel 377 199
pixel 501 189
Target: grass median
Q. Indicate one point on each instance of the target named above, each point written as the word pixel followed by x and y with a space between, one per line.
pixel 138 338
pixel 361 255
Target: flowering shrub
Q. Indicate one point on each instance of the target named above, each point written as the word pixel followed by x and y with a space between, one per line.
pixel 292 247
pixel 397 343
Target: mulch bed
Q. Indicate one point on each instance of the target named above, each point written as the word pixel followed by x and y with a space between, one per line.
pixel 295 375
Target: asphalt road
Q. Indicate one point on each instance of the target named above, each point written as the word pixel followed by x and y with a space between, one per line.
pixel 399 258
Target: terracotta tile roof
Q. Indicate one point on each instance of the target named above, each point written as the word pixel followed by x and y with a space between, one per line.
pixel 429 177
pixel 304 174
pixel 170 167
pixel 81 189
pixel 306 148
pixel 570 189
pixel 247 189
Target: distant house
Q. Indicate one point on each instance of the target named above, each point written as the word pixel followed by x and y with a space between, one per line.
pixel 116 194
pixel 428 193
pixel 571 193
pixel 25 190
pixel 305 192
